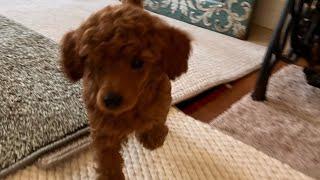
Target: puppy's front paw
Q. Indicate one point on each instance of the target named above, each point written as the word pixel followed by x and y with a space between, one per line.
pixel 153 138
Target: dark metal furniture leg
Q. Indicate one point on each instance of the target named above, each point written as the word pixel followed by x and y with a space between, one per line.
pixel 270 58
pixel 259 93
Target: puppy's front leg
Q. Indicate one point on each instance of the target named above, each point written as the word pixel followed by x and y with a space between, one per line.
pixel 108 158
pixel 156 112
pixel 154 137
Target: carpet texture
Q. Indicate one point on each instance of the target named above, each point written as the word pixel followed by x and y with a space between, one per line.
pixel 216 58
pixel 192 151
pixel 286 127
pixel 38 106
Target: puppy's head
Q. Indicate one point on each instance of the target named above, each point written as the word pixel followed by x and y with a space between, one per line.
pixel 118 51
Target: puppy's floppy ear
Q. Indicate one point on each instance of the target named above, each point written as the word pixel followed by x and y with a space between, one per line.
pixel 176 52
pixel 71 62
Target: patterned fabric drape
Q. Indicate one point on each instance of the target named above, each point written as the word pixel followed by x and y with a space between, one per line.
pixel 230 17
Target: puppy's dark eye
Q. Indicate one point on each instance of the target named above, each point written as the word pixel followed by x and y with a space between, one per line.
pixel 137 64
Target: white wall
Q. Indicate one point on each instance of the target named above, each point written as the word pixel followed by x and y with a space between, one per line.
pixel 267 12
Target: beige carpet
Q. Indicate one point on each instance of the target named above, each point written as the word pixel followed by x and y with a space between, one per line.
pixel 216 58
pixel 193 150
pixel 286 127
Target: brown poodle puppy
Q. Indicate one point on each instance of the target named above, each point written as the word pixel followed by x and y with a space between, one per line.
pixel 126 58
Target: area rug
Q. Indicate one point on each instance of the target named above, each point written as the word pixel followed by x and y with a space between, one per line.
pixel 38 106
pixel 216 58
pixel 192 150
pixel 286 127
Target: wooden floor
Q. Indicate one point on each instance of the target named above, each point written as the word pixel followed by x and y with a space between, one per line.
pixel 231 95
pixel 239 88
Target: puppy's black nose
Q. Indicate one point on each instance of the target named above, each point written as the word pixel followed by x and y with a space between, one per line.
pixel 112 100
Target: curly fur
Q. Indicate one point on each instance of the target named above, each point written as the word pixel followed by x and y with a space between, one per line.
pixel 100 52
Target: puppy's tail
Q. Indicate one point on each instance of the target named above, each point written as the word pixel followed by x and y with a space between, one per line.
pixel 137 3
